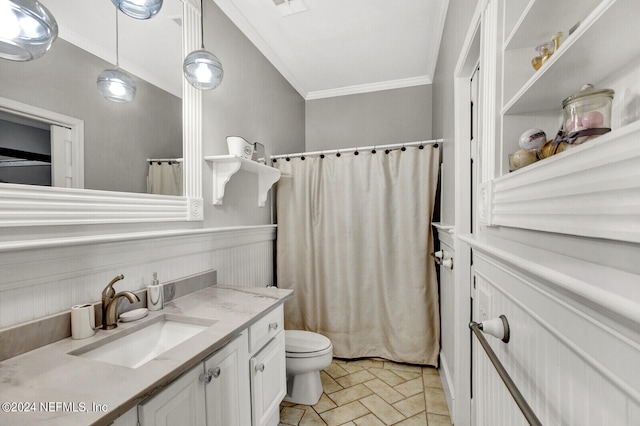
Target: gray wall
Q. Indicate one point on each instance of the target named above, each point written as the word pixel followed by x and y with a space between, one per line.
pixel 118 137
pixel 254 101
pixel 459 16
pixel 376 118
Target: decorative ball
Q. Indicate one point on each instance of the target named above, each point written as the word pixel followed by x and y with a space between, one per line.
pixel 592 119
pixel 521 158
pixel 532 139
pixel 548 150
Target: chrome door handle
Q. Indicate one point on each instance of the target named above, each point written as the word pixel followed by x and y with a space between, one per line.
pixel 260 367
pixel 273 325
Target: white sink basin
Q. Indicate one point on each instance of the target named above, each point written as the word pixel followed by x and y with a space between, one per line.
pixel 135 349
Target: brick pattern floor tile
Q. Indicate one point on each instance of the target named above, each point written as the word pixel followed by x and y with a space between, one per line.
pixel 373 392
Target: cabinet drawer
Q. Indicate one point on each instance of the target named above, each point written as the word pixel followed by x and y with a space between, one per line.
pixel 264 330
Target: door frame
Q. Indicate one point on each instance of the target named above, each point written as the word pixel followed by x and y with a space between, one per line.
pixel 68 154
pixel 471 53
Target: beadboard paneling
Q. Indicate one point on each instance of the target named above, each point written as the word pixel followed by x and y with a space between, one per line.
pixel 37 282
pixel 571 368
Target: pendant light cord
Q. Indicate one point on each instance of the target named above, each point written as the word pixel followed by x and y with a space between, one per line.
pixel 117 53
pixel 202 24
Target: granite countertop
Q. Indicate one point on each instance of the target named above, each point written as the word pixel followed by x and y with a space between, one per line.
pixel 76 390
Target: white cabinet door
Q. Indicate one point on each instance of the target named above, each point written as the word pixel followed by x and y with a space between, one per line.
pixel 181 403
pixel 227 394
pixel 268 382
pixel 130 418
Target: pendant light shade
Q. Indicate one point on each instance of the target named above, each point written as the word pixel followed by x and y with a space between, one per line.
pixel 202 69
pixel 27 29
pixel 139 9
pixel 115 84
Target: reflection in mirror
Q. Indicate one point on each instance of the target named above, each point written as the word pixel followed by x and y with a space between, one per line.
pixel 118 138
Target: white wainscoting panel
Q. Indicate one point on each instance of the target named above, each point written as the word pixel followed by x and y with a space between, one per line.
pixel 572 368
pixel 40 281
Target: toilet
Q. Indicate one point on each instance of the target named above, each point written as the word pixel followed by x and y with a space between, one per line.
pixel 307 354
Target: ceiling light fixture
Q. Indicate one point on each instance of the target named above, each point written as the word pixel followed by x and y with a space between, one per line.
pixel 202 69
pixel 27 29
pixel 139 9
pixel 115 84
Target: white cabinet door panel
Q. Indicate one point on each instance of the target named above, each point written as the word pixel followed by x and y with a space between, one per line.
pixel 268 381
pixel 181 403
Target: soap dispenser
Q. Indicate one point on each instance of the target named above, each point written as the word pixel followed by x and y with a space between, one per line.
pixel 155 297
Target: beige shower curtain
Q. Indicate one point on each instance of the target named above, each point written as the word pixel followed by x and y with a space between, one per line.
pixel 354 237
pixel 164 178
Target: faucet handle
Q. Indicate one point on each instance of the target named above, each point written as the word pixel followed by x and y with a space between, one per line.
pixel 108 291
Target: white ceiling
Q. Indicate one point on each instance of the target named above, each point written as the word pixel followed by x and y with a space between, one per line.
pixel 340 47
pixel 334 48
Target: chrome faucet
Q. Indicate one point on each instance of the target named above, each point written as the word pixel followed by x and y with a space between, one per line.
pixel 110 303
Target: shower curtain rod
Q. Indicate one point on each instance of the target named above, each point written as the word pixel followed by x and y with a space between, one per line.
pixel 165 160
pixel 360 148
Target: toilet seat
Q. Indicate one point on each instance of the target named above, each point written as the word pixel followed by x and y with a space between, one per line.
pixel 306 344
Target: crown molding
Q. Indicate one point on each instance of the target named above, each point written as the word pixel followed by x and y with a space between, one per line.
pixel 371 87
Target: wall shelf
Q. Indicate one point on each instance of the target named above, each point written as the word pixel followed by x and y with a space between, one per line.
pixel 225 166
pixel 590 190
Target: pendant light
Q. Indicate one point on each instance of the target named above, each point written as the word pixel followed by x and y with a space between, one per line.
pixel 139 9
pixel 27 29
pixel 115 84
pixel 202 69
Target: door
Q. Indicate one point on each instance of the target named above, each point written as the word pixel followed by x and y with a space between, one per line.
pixel 474 87
pixel 268 382
pixel 227 395
pixel 181 403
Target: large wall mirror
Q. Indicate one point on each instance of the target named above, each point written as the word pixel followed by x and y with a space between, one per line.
pixel 116 140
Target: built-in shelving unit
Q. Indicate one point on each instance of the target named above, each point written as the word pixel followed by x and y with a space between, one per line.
pixel 225 166
pixel 592 189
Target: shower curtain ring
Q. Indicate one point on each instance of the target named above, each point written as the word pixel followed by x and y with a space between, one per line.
pixel 337 153
pixel 356 152
pixel 321 154
pixel 403 148
pixel 373 151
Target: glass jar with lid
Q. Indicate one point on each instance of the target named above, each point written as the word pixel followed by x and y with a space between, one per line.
pixel 587 114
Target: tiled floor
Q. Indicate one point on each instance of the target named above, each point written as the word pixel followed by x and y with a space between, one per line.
pixel 373 392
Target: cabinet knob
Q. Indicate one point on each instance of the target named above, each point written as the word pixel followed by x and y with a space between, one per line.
pixel 206 378
pixel 273 325
pixel 215 372
pixel 260 367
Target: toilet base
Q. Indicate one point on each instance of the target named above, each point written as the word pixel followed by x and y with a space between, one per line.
pixel 305 389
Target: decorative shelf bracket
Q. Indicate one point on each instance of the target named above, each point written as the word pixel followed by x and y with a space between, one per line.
pixel 225 166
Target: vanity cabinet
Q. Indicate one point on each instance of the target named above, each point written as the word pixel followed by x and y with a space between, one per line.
pixel 215 392
pixel 267 368
pixel 239 385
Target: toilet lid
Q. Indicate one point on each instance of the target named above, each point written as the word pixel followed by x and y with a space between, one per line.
pixel 299 341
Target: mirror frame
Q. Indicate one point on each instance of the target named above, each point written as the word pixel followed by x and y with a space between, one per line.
pixel 26 205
